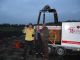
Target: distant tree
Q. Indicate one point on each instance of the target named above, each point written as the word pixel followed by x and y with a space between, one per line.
pixel 72 21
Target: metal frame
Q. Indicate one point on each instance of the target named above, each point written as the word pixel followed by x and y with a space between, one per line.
pixel 49 10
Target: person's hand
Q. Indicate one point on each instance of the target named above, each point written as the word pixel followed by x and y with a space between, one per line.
pixel 42 34
pixel 33 41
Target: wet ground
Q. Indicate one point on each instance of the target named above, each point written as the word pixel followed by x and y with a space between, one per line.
pixel 17 54
pixel 9 53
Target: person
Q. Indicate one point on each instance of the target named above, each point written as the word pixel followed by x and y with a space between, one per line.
pixel 38 43
pixel 44 38
pixel 29 39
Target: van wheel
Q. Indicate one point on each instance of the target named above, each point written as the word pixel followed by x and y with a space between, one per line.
pixel 60 51
pixel 50 49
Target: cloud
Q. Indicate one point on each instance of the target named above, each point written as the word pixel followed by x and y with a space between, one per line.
pixel 21 11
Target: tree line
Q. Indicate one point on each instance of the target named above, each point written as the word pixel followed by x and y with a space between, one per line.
pixel 8 30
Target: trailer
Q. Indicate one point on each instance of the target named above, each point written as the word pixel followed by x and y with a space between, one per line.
pixel 64 38
pixel 70 39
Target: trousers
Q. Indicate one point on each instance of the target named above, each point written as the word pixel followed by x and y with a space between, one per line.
pixel 45 49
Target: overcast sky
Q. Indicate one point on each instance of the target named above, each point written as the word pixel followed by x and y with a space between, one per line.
pixel 26 11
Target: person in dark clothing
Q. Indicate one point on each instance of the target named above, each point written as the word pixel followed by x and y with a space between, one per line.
pixel 38 43
pixel 44 37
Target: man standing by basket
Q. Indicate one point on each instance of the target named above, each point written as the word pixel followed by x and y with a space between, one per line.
pixel 44 37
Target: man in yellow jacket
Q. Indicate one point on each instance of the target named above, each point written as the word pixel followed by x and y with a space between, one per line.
pixel 29 32
pixel 29 38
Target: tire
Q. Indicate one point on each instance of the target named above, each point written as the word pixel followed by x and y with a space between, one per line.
pixel 50 50
pixel 60 51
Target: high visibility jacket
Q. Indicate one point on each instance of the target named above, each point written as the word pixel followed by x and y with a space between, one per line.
pixel 29 34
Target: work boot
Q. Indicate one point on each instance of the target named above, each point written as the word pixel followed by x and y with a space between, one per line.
pixel 45 59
